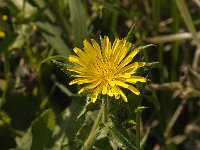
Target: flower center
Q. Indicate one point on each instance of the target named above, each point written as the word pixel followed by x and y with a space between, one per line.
pixel 105 71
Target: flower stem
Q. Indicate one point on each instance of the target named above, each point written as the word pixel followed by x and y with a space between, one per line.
pixel 138 130
pixel 7 76
pixel 105 109
pixel 93 133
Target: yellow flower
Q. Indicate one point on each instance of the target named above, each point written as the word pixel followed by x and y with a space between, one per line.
pixel 4 18
pixel 2 34
pixel 107 68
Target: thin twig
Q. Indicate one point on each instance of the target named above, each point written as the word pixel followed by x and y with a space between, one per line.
pixel 175 117
pixel 196 57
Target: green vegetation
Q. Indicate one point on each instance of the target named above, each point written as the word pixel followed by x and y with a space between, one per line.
pixel 38 108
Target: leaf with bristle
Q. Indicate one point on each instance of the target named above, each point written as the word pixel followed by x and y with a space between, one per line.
pixel 146 46
pixel 89 106
pixel 83 131
pixel 120 138
pixel 132 122
pixel 58 60
pixel 67 91
pixel 57 57
pixel 152 65
pixel 140 108
pixel 62 66
pixel 130 34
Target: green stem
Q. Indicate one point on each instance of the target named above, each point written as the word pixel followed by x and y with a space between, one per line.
pixel 94 132
pixel 7 67
pixel 105 109
pixel 138 130
pixel 7 76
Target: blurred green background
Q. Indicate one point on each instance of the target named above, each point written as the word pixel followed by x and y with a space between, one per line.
pixel 38 109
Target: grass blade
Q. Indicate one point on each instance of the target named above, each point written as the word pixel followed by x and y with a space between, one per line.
pixel 78 22
pixel 53 38
pixel 187 18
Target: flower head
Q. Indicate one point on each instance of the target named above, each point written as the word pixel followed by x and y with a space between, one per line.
pixel 2 34
pixel 4 17
pixel 104 69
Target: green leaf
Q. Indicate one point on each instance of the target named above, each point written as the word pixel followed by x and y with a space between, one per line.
pixel 60 61
pixel 78 22
pixel 64 89
pixel 62 66
pixel 130 34
pixel 23 31
pixel 140 108
pixel 66 128
pixel 113 8
pixel 25 142
pixel 152 65
pixel 4 119
pixel 56 12
pixel 121 139
pixel 145 46
pixel 132 122
pixel 53 37
pixel 26 8
pixel 89 106
pixel 57 58
pixel 42 129
pixel 84 130
pixel 42 5
pixel 7 43
pixel 102 143
pixel 39 133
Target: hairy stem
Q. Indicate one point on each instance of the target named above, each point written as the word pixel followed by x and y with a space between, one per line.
pixel 94 132
pixel 105 109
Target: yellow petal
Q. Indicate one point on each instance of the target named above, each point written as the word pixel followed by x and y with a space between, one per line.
pixel 76 69
pixel 119 52
pixel 88 87
pixel 97 49
pixel 134 90
pixel 104 91
pixel 89 49
pixel 135 79
pixel 82 76
pixel 110 92
pixel 127 86
pixel 96 93
pixel 106 48
pixel 82 55
pixel 119 91
pixel 131 68
pixel 117 96
pixel 124 52
pixel 75 59
pixel 115 45
pixel 81 81
pixel 133 53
